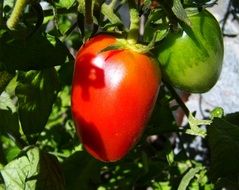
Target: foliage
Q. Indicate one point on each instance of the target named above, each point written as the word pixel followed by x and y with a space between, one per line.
pixel 39 148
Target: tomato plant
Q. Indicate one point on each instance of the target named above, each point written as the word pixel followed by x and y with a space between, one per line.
pixel 191 59
pixel 82 104
pixel 113 94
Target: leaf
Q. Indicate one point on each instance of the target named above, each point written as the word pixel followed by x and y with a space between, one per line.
pixel 108 12
pixel 33 170
pixel 8 116
pixel 6 103
pixel 66 73
pixel 179 12
pixel 223 140
pixel 80 169
pixel 40 51
pixel 9 122
pixel 188 177
pixel 50 173
pixel 64 3
pixel 155 28
pixel 232 118
pixel 36 92
pixel 194 125
pixel 5 78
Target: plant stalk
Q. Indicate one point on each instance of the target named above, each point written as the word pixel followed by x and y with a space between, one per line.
pixel 134 23
pixel 2 158
pixel 177 98
pixel 88 14
pixel 16 14
pixel 1 13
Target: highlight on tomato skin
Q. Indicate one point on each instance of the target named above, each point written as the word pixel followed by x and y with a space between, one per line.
pixel 113 95
pixel 192 58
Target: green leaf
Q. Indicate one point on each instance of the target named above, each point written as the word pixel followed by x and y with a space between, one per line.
pixel 9 122
pixel 37 52
pixel 188 177
pixel 6 102
pixel 80 171
pixel 33 170
pixel 194 125
pixel 232 118
pixel 108 12
pixel 50 173
pixel 64 3
pixel 36 92
pixel 179 12
pixel 8 116
pixel 5 78
pixel 223 138
pixel 156 28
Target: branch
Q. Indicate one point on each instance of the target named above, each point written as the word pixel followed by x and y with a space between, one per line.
pixel 16 14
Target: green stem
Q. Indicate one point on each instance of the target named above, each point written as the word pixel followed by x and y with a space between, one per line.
pixel 16 14
pixel 50 12
pixel 177 98
pixel 55 19
pixel 88 19
pixel 1 13
pixel 88 13
pixel 112 4
pixel 134 24
pixel 2 158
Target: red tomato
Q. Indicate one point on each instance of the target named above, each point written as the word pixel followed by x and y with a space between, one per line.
pixel 113 94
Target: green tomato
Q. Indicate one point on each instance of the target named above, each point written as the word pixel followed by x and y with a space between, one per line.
pixel 191 59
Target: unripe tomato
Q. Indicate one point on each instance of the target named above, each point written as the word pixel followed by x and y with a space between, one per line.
pixel 192 58
pixel 113 94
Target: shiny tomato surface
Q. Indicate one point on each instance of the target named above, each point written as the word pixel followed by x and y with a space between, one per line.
pixel 113 94
pixel 192 58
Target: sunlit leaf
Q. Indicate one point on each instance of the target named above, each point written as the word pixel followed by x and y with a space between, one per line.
pixel 64 3
pixel 188 177
pixel 33 170
pixel 5 78
pixel 179 11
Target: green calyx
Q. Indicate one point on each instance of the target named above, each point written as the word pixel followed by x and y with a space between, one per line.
pixel 130 45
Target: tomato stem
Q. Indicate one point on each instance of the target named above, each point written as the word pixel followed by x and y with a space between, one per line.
pixel 112 4
pixel 88 13
pixel 134 24
pixel 177 98
pixel 16 14
pixel 1 12
pixel 2 157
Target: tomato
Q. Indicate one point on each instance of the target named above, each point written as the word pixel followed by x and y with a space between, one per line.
pixel 192 58
pixel 113 94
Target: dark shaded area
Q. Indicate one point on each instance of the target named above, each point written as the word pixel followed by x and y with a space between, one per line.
pixel 43 51
pixel 50 174
pixel 91 138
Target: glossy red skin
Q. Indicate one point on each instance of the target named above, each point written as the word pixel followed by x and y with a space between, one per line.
pixel 113 94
